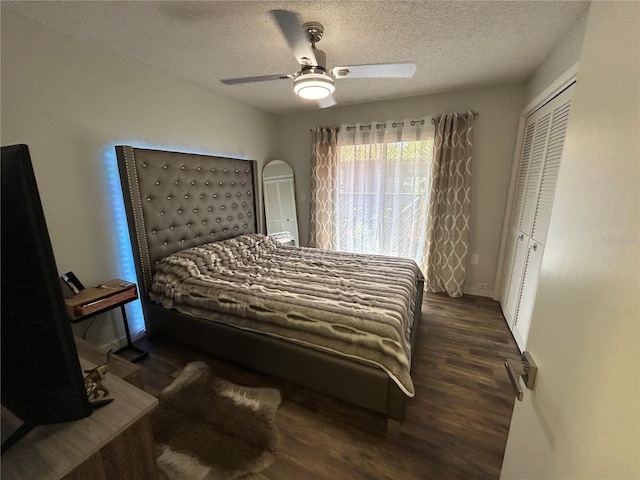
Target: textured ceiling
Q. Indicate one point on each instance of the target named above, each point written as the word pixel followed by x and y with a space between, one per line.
pixel 454 44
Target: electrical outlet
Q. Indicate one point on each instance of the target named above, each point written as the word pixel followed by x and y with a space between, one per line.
pixel 482 286
pixel 475 259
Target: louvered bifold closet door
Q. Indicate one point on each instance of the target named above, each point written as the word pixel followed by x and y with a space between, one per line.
pixel 523 171
pixel 530 275
pixel 526 194
pixel 543 142
pixel 550 169
pixel 536 164
pixel 516 242
pixel 560 108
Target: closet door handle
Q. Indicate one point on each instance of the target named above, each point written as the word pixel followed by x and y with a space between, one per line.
pixel 535 247
pixel 521 237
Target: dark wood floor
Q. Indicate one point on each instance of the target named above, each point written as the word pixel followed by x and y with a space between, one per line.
pixel 455 428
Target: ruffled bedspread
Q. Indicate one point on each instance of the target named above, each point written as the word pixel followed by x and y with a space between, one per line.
pixel 355 306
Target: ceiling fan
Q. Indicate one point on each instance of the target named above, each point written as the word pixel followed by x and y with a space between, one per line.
pixel 314 80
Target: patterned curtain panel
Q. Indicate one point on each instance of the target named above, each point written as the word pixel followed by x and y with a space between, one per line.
pixel 382 187
pixel 324 167
pixel 447 240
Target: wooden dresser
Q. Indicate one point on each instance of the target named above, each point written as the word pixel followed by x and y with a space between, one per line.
pixel 114 442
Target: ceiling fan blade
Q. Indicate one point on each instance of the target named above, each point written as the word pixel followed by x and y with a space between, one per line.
pixel 263 78
pixel 379 70
pixel 291 28
pixel 326 102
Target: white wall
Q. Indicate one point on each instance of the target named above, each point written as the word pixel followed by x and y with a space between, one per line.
pixel 564 55
pixel 582 420
pixel 71 103
pixel 494 139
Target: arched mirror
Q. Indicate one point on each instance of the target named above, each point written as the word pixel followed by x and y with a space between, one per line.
pixel 280 200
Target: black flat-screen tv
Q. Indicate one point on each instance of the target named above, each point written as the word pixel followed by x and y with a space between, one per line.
pixel 41 376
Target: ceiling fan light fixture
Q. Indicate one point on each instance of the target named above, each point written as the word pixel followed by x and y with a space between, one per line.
pixel 313 86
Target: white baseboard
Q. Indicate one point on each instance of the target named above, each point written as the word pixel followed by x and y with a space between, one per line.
pixel 120 342
pixel 115 344
pixel 478 292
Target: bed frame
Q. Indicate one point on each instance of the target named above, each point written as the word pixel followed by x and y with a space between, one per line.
pixel 178 200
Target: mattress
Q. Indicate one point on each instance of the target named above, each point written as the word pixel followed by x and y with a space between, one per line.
pixel 352 305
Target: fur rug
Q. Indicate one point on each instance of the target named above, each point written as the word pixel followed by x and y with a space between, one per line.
pixel 206 428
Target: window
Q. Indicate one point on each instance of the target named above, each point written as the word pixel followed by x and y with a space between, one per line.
pixel 382 196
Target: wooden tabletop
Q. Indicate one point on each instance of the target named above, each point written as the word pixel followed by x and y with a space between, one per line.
pixel 52 451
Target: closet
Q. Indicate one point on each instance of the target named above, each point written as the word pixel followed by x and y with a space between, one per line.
pixel 539 162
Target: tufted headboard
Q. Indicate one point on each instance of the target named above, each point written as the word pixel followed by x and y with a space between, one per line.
pixel 179 200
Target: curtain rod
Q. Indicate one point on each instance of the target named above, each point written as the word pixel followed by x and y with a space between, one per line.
pixel 393 124
pixel 434 119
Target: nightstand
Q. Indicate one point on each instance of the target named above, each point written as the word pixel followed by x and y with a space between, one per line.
pixel 99 299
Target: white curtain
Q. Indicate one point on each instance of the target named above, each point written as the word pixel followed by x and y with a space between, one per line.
pixel 382 185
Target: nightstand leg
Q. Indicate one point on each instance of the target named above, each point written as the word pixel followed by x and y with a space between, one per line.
pixel 126 325
pixel 130 346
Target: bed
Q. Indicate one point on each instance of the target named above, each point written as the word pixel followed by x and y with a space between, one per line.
pixel 180 202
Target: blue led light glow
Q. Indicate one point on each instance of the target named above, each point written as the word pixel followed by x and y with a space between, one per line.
pixel 121 235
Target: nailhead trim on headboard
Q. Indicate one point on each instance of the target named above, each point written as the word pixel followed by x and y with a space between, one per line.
pixel 138 219
pixel 178 200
